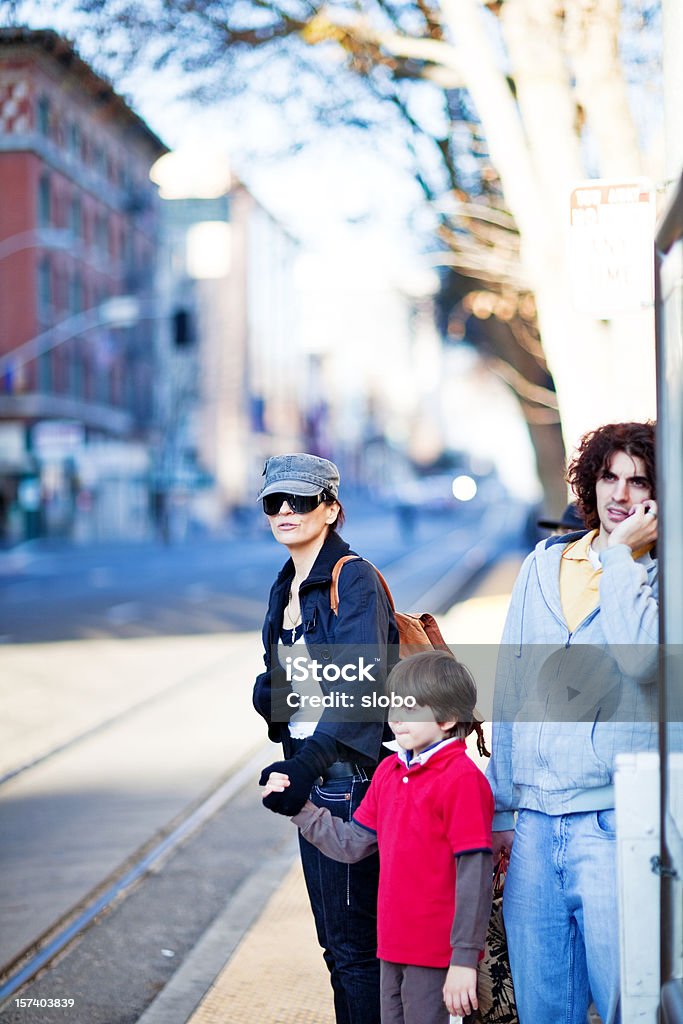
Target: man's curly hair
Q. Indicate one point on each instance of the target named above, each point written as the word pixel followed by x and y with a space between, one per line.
pixel 594 455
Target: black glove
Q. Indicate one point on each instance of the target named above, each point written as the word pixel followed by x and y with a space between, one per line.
pixel 303 769
pixel 271 692
pixel 280 710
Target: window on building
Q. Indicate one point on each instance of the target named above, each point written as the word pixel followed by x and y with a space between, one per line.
pixel 75 294
pixel 99 160
pixel 59 290
pixel 129 251
pixel 45 375
pixel 75 140
pixel 59 208
pixel 113 240
pixel 44 289
pixel 43 116
pixel 87 226
pixel 44 201
pixel 76 217
pixel 58 134
pixel 101 233
pixel 103 383
pixel 75 372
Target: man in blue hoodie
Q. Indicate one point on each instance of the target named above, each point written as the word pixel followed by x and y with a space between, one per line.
pixel 576 685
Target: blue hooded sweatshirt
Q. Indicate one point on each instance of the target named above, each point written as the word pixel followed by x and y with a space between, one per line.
pixel 567 702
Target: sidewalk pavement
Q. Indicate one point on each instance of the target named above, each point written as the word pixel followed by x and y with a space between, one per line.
pixel 276 974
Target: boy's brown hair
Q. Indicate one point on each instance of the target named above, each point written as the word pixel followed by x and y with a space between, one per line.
pixel 440 682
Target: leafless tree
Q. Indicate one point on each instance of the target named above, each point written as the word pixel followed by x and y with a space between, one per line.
pixel 534 96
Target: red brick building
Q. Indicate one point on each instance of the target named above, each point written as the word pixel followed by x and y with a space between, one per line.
pixel 78 226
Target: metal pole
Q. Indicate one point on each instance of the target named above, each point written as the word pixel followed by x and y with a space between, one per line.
pixel 669 311
pixel 671 478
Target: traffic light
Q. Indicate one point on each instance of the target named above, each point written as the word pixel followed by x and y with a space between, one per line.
pixel 183 328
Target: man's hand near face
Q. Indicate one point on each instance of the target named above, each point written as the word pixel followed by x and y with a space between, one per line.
pixel 639 530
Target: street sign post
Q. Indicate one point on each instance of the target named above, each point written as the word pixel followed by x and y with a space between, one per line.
pixel 611 238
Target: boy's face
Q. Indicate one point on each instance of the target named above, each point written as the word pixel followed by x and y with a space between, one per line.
pixel 417 729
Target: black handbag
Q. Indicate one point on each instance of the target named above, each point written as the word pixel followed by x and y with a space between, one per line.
pixel 495 990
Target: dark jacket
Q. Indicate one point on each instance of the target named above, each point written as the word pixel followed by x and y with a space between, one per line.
pixel 365 624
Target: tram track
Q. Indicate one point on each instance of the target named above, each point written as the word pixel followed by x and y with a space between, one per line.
pixel 84 821
pixel 107 723
pixel 151 856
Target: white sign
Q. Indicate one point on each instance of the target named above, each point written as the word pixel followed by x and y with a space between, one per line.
pixel 121 310
pixel 611 246
pixel 57 439
pixel 12 444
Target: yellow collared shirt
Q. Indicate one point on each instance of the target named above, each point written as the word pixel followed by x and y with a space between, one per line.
pixel 580 580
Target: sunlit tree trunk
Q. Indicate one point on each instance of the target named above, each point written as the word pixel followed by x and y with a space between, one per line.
pixel 592 34
pixel 602 371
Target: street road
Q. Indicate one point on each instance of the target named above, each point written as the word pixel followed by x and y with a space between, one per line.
pixel 61 592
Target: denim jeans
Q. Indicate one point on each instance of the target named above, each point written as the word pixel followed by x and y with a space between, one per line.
pixel 344 903
pixel 560 910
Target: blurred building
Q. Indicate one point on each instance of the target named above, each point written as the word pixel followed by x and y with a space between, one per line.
pixel 233 365
pixel 369 331
pixel 78 227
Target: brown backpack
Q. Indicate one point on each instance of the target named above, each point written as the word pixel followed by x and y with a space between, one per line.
pixel 416 632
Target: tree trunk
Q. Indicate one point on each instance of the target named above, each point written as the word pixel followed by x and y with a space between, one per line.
pixel 550 464
pixel 592 43
pixel 602 371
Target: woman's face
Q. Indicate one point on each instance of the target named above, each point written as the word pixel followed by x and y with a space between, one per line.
pixel 295 529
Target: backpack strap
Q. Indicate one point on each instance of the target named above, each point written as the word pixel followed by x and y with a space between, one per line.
pixel 334 585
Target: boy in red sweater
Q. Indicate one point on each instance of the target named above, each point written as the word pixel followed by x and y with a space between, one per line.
pixel 428 811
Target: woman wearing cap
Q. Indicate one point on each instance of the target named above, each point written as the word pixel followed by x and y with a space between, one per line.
pixel 330 760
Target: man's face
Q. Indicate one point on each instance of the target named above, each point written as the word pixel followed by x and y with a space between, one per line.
pixel 622 485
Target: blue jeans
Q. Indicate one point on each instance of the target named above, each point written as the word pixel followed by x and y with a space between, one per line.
pixel 344 903
pixel 560 910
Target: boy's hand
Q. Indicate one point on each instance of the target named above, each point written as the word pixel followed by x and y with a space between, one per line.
pixel 302 770
pixel 460 990
pixel 277 783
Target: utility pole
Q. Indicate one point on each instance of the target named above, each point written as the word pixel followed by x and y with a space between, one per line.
pixel 670 348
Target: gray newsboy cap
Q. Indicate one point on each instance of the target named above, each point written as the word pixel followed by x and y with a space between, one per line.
pixel 299 474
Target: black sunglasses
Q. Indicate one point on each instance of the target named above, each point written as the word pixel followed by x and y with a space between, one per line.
pixel 299 503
